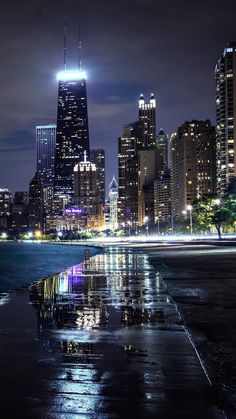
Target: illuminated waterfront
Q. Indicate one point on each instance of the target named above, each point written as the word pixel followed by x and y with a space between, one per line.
pixel 23 263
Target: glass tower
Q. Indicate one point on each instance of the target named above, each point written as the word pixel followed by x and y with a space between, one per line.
pixel 45 143
pixel 72 137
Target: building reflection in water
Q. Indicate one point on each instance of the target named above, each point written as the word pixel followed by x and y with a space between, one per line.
pixel 78 308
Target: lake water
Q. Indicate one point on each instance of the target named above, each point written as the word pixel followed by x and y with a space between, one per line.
pixel 23 263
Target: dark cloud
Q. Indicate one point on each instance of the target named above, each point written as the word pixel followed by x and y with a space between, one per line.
pixel 130 46
pixel 17 141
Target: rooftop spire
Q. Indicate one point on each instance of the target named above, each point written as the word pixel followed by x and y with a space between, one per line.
pixel 64 44
pixel 80 47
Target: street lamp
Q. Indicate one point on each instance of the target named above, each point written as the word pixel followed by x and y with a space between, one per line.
pixel 172 222
pixel 158 225
pixel 189 208
pixel 146 221
pixel 129 224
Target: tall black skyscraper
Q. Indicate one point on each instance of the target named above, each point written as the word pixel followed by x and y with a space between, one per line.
pixel 225 73
pixel 72 137
pixel 45 144
pixel 97 156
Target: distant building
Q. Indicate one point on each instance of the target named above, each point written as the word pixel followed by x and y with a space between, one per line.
pixel 72 137
pixel 162 144
pixel 66 223
pixel 136 138
pixel 113 198
pixel 131 195
pixel 162 197
pixel 45 144
pixel 19 211
pixel 193 164
pixel 5 202
pixel 225 73
pixel 21 198
pixel 5 207
pixel 149 169
pixel 147 121
pixel 86 188
pixel 97 156
pixel 36 215
pixel 127 149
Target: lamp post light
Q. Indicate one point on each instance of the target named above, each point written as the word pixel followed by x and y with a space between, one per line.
pixel 146 221
pixel 189 208
pixel 129 224
pixel 158 225
pixel 172 223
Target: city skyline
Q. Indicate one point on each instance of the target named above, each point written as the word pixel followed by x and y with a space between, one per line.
pixel 181 76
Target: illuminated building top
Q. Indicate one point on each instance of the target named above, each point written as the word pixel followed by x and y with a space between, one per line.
pixel 71 75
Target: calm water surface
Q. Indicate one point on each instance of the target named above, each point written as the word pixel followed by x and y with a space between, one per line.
pixel 23 263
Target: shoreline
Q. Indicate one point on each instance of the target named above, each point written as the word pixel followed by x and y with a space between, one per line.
pixel 203 286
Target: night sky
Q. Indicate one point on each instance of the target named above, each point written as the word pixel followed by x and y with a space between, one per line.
pixel 129 47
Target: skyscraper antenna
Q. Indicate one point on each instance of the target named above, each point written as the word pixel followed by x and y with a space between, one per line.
pixel 79 46
pixel 64 44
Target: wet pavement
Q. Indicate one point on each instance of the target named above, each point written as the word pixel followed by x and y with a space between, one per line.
pixel 103 339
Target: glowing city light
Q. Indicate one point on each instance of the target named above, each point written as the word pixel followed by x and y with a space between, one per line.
pixel 71 75
pixel 73 211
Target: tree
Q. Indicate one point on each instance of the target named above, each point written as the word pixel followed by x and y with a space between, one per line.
pixel 212 210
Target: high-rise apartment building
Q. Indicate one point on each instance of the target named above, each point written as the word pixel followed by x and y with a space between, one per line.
pixel 193 164
pixel 45 145
pixel 147 121
pixel 136 138
pixel 225 73
pixel 162 197
pixel 72 137
pixel 149 169
pixel 97 156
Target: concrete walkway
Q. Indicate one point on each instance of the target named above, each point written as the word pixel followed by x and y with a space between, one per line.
pixel 102 340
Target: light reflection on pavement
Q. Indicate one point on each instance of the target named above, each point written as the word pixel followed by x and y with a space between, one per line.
pixel 111 344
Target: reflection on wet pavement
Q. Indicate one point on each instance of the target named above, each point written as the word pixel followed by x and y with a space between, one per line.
pixel 111 344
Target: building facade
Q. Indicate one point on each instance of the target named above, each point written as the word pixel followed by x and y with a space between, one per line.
pixel 97 156
pixel 45 145
pixel 72 137
pixel 149 169
pixel 127 149
pixel 162 197
pixel 36 214
pixel 162 145
pixel 19 211
pixel 113 198
pixel 225 74
pixel 86 195
pixel 147 121
pixel 5 207
pixel 193 164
